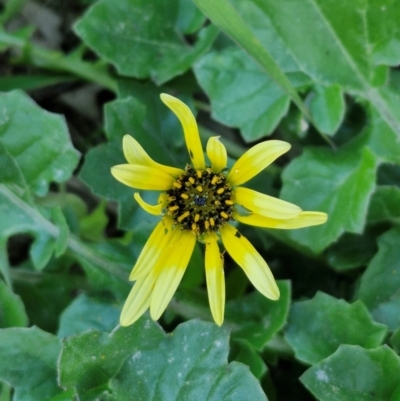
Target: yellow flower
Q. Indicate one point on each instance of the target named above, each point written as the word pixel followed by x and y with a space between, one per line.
pixel 197 204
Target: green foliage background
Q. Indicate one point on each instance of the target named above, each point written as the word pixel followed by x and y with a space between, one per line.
pixel 319 74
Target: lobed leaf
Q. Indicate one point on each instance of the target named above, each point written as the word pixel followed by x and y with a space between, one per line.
pixel 226 17
pixel 160 54
pixel 241 94
pixel 353 373
pixel 337 183
pixel 41 158
pixel 89 360
pixel 190 364
pixel 317 327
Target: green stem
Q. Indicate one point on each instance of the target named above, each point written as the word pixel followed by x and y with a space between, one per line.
pixel 75 245
pixel 58 61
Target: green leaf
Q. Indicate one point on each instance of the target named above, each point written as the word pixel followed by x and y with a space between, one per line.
pixel 12 311
pixel 160 54
pixel 36 150
pixel 384 205
pixel 241 94
pixel 225 16
pixel 256 319
pixel 89 360
pixel 355 58
pixel 327 108
pixel 88 313
pixel 37 140
pixel 353 373
pixel 338 183
pixel 191 364
pixel 28 362
pixel 318 326
pixel 351 251
pixel 380 283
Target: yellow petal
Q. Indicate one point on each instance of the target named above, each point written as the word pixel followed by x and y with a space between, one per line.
pixel 142 177
pixel 135 154
pixel 255 160
pixel 152 209
pixel 265 205
pixel 303 219
pixel 177 256
pixel 190 129
pixel 215 278
pixel 216 152
pixel 153 249
pixel 138 301
pixel 246 256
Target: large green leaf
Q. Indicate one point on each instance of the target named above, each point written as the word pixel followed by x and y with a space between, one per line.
pixel 29 363
pixel 318 326
pixel 337 182
pixel 354 373
pixel 35 150
pixel 191 364
pixel 140 362
pixel 226 17
pixel 37 140
pixel 380 283
pixel 355 57
pixel 89 360
pixel 241 94
pixel 149 42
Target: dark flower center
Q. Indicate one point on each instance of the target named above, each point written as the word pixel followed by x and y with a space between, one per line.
pixel 200 201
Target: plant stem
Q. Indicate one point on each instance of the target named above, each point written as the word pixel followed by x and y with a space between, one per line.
pixel 58 61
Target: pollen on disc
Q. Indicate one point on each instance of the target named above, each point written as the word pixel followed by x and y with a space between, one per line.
pixel 200 201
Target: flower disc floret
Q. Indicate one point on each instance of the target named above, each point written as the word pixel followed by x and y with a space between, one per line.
pixel 200 201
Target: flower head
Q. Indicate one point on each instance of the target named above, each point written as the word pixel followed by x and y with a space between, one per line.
pixel 197 204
